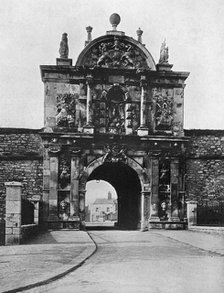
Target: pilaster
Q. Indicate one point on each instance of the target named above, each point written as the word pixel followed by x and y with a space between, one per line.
pixel 143 129
pixel 74 192
pixel 144 210
pixel 174 182
pixel 154 189
pixel 53 188
pixel 88 128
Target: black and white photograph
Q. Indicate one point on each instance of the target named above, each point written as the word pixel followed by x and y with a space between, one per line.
pixel 111 146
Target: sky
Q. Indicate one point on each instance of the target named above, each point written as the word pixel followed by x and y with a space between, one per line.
pixel 31 30
pixel 98 189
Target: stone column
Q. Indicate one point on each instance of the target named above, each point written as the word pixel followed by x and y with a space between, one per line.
pixel 53 188
pixel 154 189
pixel 143 130
pixel 142 108
pixel 88 128
pixel 174 183
pixel 88 105
pixel 192 213
pixel 13 213
pixel 74 192
pixel 144 202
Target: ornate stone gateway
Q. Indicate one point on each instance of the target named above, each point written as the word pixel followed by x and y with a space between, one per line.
pixel 115 116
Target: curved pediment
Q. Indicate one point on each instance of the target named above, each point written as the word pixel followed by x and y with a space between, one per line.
pixel 113 51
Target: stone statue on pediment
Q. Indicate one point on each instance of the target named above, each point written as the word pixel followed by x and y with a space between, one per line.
pixel 63 50
pixel 164 54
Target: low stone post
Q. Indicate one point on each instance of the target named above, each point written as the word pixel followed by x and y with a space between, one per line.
pixel 192 213
pixel 36 202
pixel 13 213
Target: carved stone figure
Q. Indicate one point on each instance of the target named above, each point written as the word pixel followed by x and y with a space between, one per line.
pixel 61 118
pixel 105 55
pixel 63 50
pixel 126 57
pixel 115 54
pixel 163 110
pixel 164 55
pixel 163 211
pixel 64 177
pixel 64 170
pixel 164 189
pixel 64 210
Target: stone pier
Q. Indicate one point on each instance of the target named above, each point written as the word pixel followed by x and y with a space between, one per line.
pixel 13 213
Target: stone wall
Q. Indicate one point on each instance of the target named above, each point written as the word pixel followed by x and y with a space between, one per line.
pixel 205 165
pixel 21 161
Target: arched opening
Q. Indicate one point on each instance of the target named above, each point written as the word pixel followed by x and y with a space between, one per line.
pixel 116 121
pixel 126 182
pixel 100 204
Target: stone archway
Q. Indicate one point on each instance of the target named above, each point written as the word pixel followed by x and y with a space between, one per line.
pixel 133 192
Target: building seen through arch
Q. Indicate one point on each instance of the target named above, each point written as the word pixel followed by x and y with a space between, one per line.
pixel 101 206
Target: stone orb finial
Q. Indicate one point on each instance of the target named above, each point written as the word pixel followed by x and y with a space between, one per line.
pixel 115 19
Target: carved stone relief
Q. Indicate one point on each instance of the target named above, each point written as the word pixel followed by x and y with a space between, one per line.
pixel 64 175
pixel 163 107
pixel 114 111
pixel 115 153
pixel 116 54
pixel 66 110
pixel 133 116
pixel 64 171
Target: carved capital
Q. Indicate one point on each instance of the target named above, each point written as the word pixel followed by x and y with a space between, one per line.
pixel 143 81
pixel 89 79
pixel 54 149
pixel 66 108
pixel 75 152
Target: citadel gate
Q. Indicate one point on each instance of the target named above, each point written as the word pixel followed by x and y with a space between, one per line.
pixel 115 116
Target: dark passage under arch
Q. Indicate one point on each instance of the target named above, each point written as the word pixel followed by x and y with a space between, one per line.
pixel 127 185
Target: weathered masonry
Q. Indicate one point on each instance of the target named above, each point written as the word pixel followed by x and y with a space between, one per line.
pixel 116 116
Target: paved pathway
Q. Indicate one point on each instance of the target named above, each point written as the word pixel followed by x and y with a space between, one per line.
pixel 152 262
pixel 49 255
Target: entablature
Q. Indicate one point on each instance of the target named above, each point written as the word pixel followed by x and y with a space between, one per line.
pixel 78 74
pixel 135 145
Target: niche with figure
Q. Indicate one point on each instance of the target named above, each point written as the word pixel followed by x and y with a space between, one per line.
pixel 164 188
